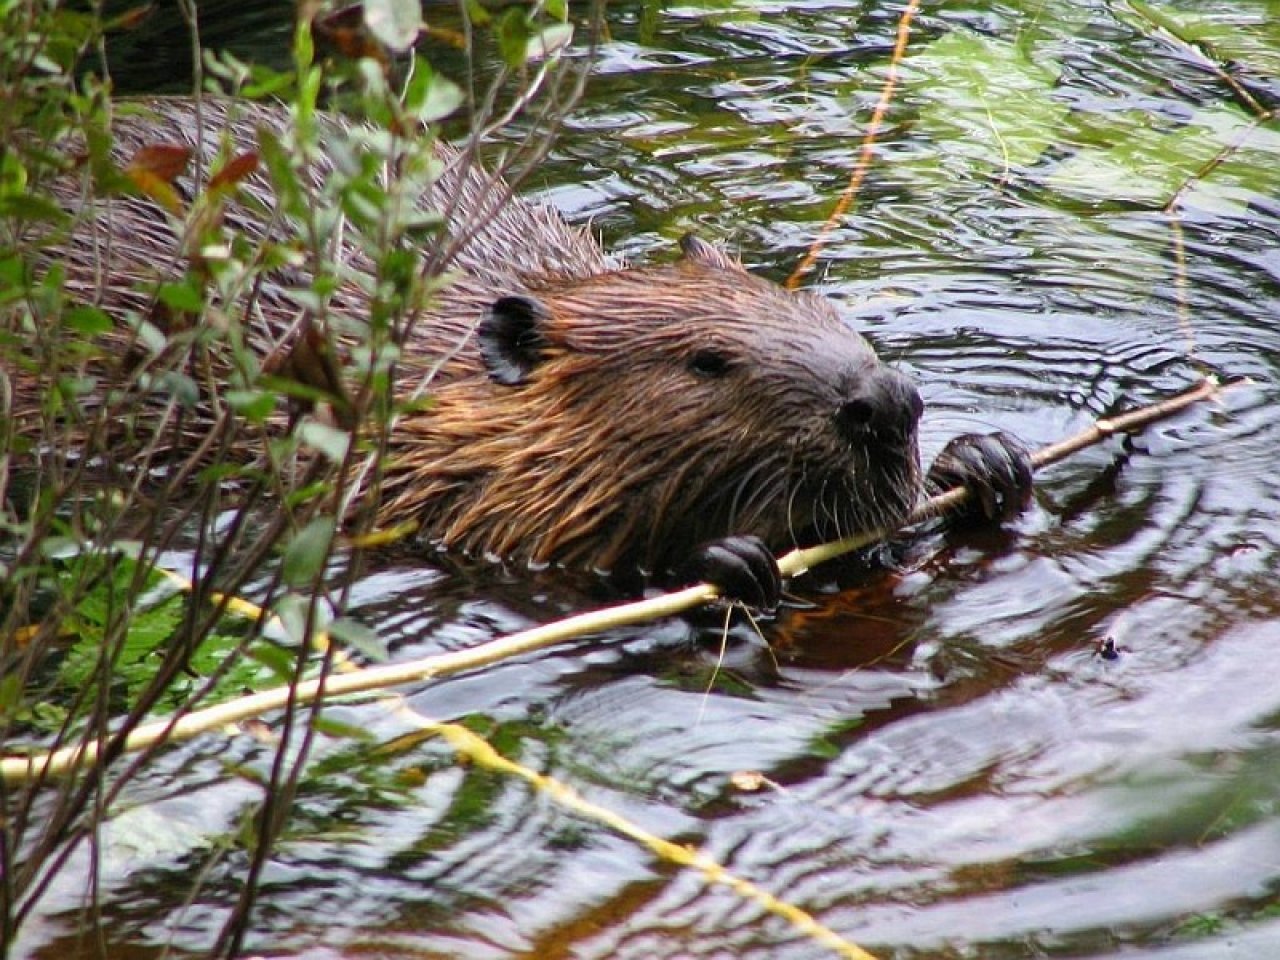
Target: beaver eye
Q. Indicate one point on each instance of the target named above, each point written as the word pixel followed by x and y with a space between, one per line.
pixel 710 364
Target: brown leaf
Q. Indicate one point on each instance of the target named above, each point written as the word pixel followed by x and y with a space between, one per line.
pixel 237 169
pixel 160 160
pixel 153 170
pixel 159 190
pixel 168 320
pixel 314 363
pixel 310 361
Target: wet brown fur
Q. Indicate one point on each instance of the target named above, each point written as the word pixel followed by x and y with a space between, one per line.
pixel 615 450
pixel 617 454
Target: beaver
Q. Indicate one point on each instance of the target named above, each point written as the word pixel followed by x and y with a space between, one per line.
pixel 682 420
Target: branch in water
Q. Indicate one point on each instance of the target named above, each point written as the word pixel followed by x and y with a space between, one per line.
pixel 17 769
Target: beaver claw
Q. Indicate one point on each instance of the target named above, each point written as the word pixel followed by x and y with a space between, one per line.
pixel 995 467
pixel 742 568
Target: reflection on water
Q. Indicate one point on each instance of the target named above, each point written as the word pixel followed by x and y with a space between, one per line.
pixel 955 769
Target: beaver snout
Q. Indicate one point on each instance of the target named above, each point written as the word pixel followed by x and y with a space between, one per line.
pixel 881 407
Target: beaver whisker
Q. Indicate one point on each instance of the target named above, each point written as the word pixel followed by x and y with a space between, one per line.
pixel 759 493
pixel 845 519
pixel 740 495
pixel 788 493
pixel 874 512
pixel 825 509
pixel 852 508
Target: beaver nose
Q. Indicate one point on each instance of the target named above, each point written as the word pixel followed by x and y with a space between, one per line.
pixel 880 407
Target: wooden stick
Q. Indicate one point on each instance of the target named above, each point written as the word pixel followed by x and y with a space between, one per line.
pixel 20 769
pixel 798 561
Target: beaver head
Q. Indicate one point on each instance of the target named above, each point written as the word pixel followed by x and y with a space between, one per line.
pixel 621 419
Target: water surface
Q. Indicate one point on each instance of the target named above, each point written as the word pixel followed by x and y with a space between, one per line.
pixel 952 768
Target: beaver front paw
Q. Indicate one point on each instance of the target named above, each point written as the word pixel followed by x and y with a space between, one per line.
pixel 995 467
pixel 741 568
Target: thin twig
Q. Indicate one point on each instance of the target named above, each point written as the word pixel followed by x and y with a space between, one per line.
pixel 866 154
pixel 1201 50
pixel 481 753
pixel 474 750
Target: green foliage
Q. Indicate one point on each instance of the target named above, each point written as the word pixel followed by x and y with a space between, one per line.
pixel 830 742
pixel 430 97
pixel 991 101
pixel 704 678
pixel 129 436
pixel 1249 37
pixel 1201 925
pixel 126 622
pixel 307 552
pixel 522 38
pixel 356 636
pixel 394 23
pixel 990 110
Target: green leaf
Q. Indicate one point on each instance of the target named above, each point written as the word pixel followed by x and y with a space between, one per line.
pixel 284 180
pixel 1244 37
pixel 57 547
pixel 74 386
pixel 513 37
pixel 10 694
pixel 186 295
pixel 135 653
pixel 13 272
pixel 304 48
pixel 548 41
pixel 430 97
pixel 394 23
pixel 1245 174
pixel 266 82
pixel 477 12
pixel 985 100
pixel 278 661
pixel 360 638
pixel 76 26
pixel 152 337
pixel 32 207
pixel 245 672
pixel 420 225
pixel 254 405
pixel 308 552
pixel 87 320
pixel 301 495
pixel 178 385
pixel 330 441
pixel 341 731
pixel 1145 162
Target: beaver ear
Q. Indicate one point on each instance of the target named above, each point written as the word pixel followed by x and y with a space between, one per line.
pixel 695 248
pixel 512 339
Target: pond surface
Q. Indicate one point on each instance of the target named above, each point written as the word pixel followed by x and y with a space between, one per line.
pixel 951 767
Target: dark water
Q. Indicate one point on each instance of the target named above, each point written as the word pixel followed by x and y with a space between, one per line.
pixel 952 768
